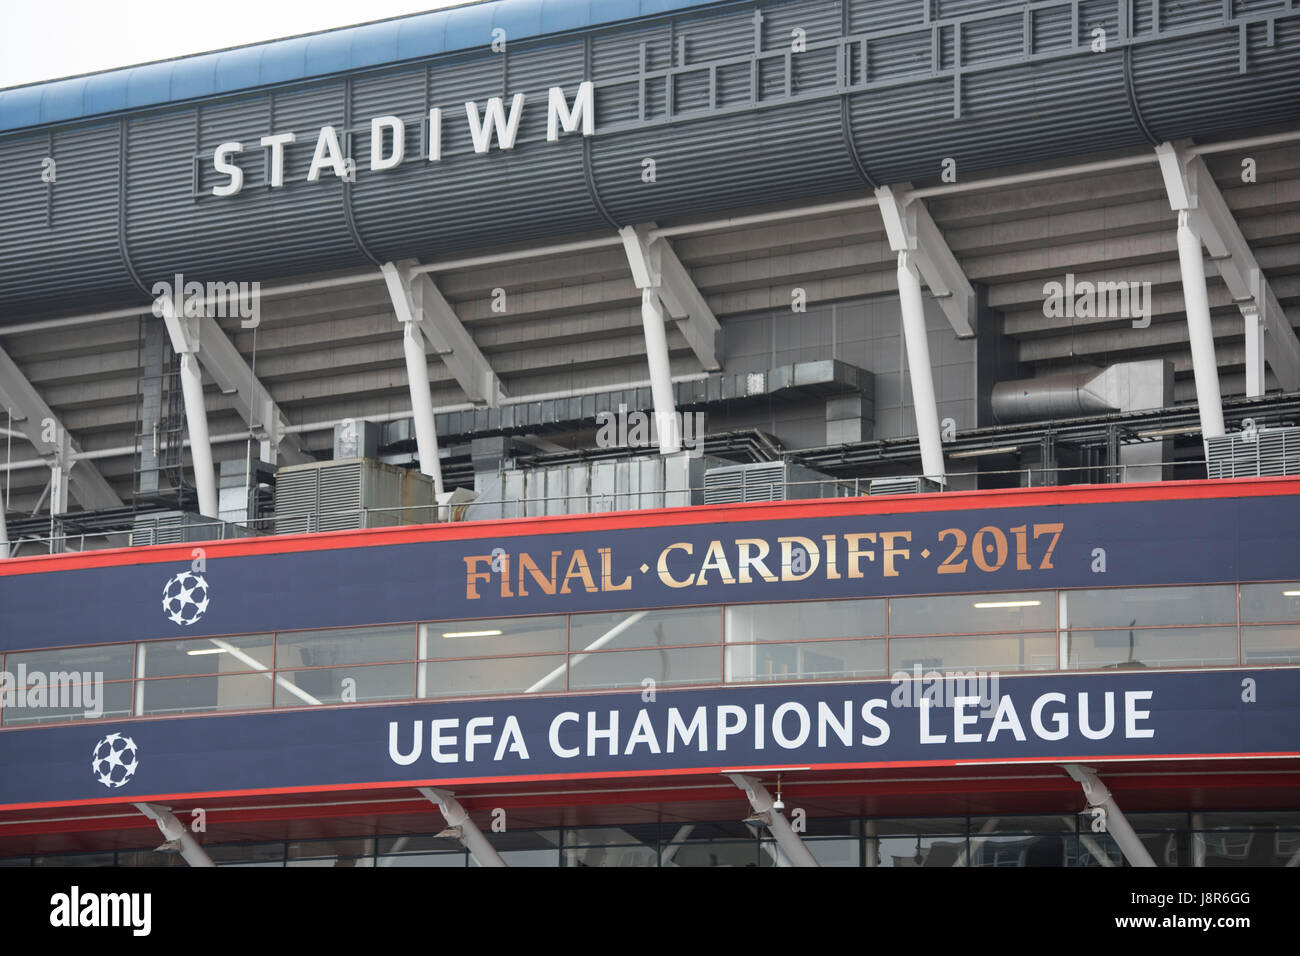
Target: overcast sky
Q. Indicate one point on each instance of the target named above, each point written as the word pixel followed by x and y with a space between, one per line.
pixel 47 39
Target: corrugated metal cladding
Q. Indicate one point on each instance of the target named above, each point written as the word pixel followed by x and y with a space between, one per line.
pixel 715 100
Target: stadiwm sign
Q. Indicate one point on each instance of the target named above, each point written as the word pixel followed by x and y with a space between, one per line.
pixel 388 138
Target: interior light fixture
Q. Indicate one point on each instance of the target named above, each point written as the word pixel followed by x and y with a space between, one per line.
pixel 472 633
pixel 1291 593
pixel 1162 432
pixel 986 604
pixel 208 650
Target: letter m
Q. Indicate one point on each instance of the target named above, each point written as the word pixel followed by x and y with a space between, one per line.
pixel 1112 300
pixel 226 297
pixel 558 114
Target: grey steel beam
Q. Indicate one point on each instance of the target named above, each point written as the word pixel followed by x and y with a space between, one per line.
pixel 764 808
pixel 178 835
pixel 465 829
pixel 437 321
pixel 1117 825
pixel 34 418
pixel 687 307
pixel 1270 339
pixel 911 229
pixel 254 403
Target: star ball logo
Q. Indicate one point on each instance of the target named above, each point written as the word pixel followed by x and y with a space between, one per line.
pixel 115 760
pixel 185 598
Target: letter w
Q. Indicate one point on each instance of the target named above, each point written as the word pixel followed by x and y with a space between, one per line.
pixel 481 128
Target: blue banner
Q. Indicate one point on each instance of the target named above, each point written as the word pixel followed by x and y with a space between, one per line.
pixel 875 723
pixel 836 552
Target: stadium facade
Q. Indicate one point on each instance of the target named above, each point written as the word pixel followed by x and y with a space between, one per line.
pixel 660 433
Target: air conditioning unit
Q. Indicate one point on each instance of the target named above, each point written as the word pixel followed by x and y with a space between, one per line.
pixel 591 487
pixel 182 527
pixel 1265 452
pixel 765 481
pixel 902 486
pixel 346 495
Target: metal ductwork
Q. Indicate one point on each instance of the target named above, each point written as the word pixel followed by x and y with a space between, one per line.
pixel 1131 386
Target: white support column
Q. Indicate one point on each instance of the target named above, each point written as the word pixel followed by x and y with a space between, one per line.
pixel 645 259
pixel 918 365
pixel 1200 331
pixel 794 848
pixel 446 334
pixel 1270 339
pixel 177 834
pixel 1117 825
pixel 417 375
pixel 466 830
pixel 184 333
pixel 924 254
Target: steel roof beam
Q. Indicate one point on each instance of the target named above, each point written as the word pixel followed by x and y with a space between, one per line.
pixel 34 419
pixel 252 400
pixel 1270 339
pixel 911 229
pixel 1101 801
pixel 423 304
pixel 645 258
pixel 462 827
pixel 179 838
pixel 765 809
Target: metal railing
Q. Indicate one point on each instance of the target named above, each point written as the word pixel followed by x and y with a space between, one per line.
pixel 195 530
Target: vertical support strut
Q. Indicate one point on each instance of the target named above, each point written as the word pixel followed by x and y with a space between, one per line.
pixel 466 830
pixel 1117 825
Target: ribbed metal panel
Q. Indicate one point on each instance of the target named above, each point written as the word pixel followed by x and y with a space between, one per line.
pixel 725 131
pixel 1192 87
pixel 60 242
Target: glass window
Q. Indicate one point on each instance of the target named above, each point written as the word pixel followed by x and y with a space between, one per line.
pixel 805 620
pixel 526 847
pixel 190 695
pixel 1270 602
pixel 1139 607
pixel 246 854
pixel 817 661
pixel 1153 647
pixel 70 702
pixel 635 855
pixel 327 685
pixel 340 852
pixel 693 625
pixel 1029 652
pixel 114 661
pixel 347 645
pixel 610 669
pixel 969 613
pixel 216 655
pixel 1270 645
pixel 483 638
pixel 495 675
